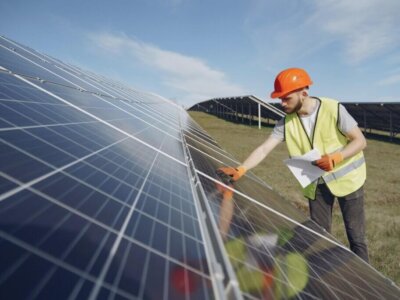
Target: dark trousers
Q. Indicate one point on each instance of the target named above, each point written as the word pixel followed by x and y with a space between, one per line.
pixel 352 207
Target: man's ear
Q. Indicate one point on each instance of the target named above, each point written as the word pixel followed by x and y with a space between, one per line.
pixel 304 93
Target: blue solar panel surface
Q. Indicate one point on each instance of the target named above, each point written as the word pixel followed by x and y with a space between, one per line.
pixel 111 193
pixel 95 192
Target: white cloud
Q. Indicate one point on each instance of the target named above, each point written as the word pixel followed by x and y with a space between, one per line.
pixel 183 73
pixel 358 29
pixel 365 27
pixel 283 33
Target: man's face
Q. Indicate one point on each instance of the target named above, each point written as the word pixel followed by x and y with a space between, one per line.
pixel 292 102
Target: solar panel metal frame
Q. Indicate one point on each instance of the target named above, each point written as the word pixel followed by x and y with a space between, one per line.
pixel 189 149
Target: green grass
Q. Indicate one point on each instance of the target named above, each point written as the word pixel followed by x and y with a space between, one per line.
pixel 382 193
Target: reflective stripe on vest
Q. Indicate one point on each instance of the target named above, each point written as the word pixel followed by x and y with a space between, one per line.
pixel 347 176
pixel 345 170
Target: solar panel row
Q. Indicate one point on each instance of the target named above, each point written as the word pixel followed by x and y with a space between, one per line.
pixel 108 192
pixel 381 116
pixel 242 109
pixel 96 192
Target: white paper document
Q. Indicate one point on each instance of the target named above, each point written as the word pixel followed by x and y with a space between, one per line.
pixel 302 168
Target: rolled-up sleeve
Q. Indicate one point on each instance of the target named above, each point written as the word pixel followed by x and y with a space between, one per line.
pixel 346 121
pixel 279 130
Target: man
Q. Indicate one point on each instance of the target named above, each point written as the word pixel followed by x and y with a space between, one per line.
pixel 323 124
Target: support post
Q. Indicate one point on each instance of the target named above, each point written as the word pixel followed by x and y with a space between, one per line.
pixel 242 113
pixel 391 126
pixel 365 122
pixel 250 116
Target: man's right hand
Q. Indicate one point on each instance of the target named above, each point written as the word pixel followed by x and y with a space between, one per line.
pixel 233 174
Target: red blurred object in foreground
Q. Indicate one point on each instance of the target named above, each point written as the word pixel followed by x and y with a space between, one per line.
pixel 183 281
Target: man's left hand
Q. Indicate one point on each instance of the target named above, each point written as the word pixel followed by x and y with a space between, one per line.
pixel 328 161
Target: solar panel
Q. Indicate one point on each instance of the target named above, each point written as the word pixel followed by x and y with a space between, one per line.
pixel 110 193
pixel 382 117
pixel 241 109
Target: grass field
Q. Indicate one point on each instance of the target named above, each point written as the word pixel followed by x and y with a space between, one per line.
pixel 382 193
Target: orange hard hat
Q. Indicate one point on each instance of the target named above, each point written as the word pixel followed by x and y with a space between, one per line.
pixel 290 80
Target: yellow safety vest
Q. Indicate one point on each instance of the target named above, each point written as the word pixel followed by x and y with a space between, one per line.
pixel 349 175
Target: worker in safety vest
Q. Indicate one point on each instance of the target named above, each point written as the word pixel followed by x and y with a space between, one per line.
pixel 325 125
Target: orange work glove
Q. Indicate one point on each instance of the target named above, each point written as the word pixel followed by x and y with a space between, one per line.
pixel 233 173
pixel 328 161
pixel 227 194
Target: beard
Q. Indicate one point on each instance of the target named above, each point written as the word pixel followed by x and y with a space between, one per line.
pixel 294 109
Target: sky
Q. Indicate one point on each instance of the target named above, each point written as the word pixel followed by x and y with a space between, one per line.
pixel 193 50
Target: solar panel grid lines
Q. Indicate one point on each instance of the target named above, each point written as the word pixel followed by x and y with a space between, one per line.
pixel 67 138
pixel 191 126
pixel 104 190
pixel 209 156
pixel 223 275
pixel 62 205
pixel 153 115
pixel 209 252
pixel 101 92
pixel 47 175
pixel 233 283
pixel 194 133
pixel 222 154
pixel 265 249
pixel 4 70
pixel 37 72
pixel 220 266
pixel 100 279
pixel 116 92
pixel 150 124
pixel 362 288
pixel 54 125
pixel 95 117
pixel 96 89
pixel 202 137
pixel 65 73
pixel 285 217
pixel 196 128
pixel 45 257
pixel 27 49
pixel 195 139
pixel 222 159
pixel 105 91
pixel 190 233
pixel 135 116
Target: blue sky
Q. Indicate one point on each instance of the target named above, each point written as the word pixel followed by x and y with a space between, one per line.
pixel 193 50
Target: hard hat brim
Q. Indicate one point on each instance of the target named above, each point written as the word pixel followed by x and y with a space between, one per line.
pixel 275 94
